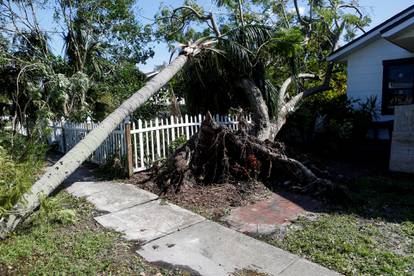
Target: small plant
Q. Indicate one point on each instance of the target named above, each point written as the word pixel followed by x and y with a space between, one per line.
pixel 253 165
pixel 114 168
pixel 177 143
pixel 53 211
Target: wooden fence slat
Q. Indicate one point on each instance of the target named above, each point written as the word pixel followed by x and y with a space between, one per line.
pixel 141 145
pixel 135 147
pixel 172 128
pixel 187 130
pixel 163 139
pixel 168 134
pixel 157 139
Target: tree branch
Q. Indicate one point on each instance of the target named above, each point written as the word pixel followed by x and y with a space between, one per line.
pixel 291 104
pixel 288 81
pixel 241 13
pixel 209 17
pixel 301 20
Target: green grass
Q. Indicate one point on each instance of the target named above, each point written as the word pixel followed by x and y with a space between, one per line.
pixel 54 242
pixel 373 236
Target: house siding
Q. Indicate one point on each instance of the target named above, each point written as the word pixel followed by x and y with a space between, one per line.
pixel 365 71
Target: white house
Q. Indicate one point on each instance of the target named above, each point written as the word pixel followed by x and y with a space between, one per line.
pixel 381 63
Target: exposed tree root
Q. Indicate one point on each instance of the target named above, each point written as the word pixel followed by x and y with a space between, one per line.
pixel 218 155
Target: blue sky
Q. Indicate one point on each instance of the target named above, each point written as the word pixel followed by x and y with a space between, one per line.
pixel 379 10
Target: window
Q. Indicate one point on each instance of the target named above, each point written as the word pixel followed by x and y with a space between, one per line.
pixel 398 84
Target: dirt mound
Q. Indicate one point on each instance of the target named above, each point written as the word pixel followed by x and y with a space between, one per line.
pixel 211 200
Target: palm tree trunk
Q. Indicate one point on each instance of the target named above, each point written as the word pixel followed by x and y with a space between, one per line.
pixel 56 174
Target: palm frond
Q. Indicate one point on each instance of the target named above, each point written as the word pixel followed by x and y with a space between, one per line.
pixel 250 36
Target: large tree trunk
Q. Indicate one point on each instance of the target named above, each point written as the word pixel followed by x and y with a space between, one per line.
pixel 266 128
pixel 56 174
pixel 258 107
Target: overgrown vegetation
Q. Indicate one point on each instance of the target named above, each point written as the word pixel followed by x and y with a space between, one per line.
pixel 103 42
pixel 62 238
pixel 373 236
pixel 20 163
pixel 330 122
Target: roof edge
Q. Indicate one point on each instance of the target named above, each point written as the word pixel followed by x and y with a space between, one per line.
pixel 372 34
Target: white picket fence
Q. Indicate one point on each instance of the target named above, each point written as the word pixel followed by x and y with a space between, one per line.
pixel 67 134
pixel 151 140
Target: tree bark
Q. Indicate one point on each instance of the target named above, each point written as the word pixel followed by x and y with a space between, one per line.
pixel 264 127
pixel 56 174
pixel 258 107
pixel 175 106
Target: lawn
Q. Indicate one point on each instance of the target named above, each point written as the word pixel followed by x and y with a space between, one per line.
pixel 63 238
pixel 373 235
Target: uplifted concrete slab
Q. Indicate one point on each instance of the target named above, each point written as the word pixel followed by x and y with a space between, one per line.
pixel 149 221
pixel 111 196
pixel 208 248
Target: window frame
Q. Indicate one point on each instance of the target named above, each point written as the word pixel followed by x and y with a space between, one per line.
pixel 385 110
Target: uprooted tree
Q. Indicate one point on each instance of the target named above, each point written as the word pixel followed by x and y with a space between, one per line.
pixel 219 155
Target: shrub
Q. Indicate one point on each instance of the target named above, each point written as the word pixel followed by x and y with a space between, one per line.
pixel 329 121
pixel 52 211
pixel 178 142
pixel 20 163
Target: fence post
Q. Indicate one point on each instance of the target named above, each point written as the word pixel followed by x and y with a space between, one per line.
pixel 128 143
pixel 62 123
pixel 88 124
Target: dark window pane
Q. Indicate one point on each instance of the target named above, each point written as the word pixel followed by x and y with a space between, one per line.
pixel 400 97
pixel 401 76
pixel 398 86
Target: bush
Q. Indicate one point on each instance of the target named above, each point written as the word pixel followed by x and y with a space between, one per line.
pixel 178 142
pixel 20 163
pixel 52 211
pixel 330 121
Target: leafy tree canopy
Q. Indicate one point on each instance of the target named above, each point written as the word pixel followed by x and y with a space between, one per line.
pixel 261 40
pixel 103 43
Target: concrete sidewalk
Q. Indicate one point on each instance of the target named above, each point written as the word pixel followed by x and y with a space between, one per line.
pixel 176 237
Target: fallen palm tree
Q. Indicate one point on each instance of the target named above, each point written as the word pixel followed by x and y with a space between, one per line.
pixel 214 155
pixel 65 166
